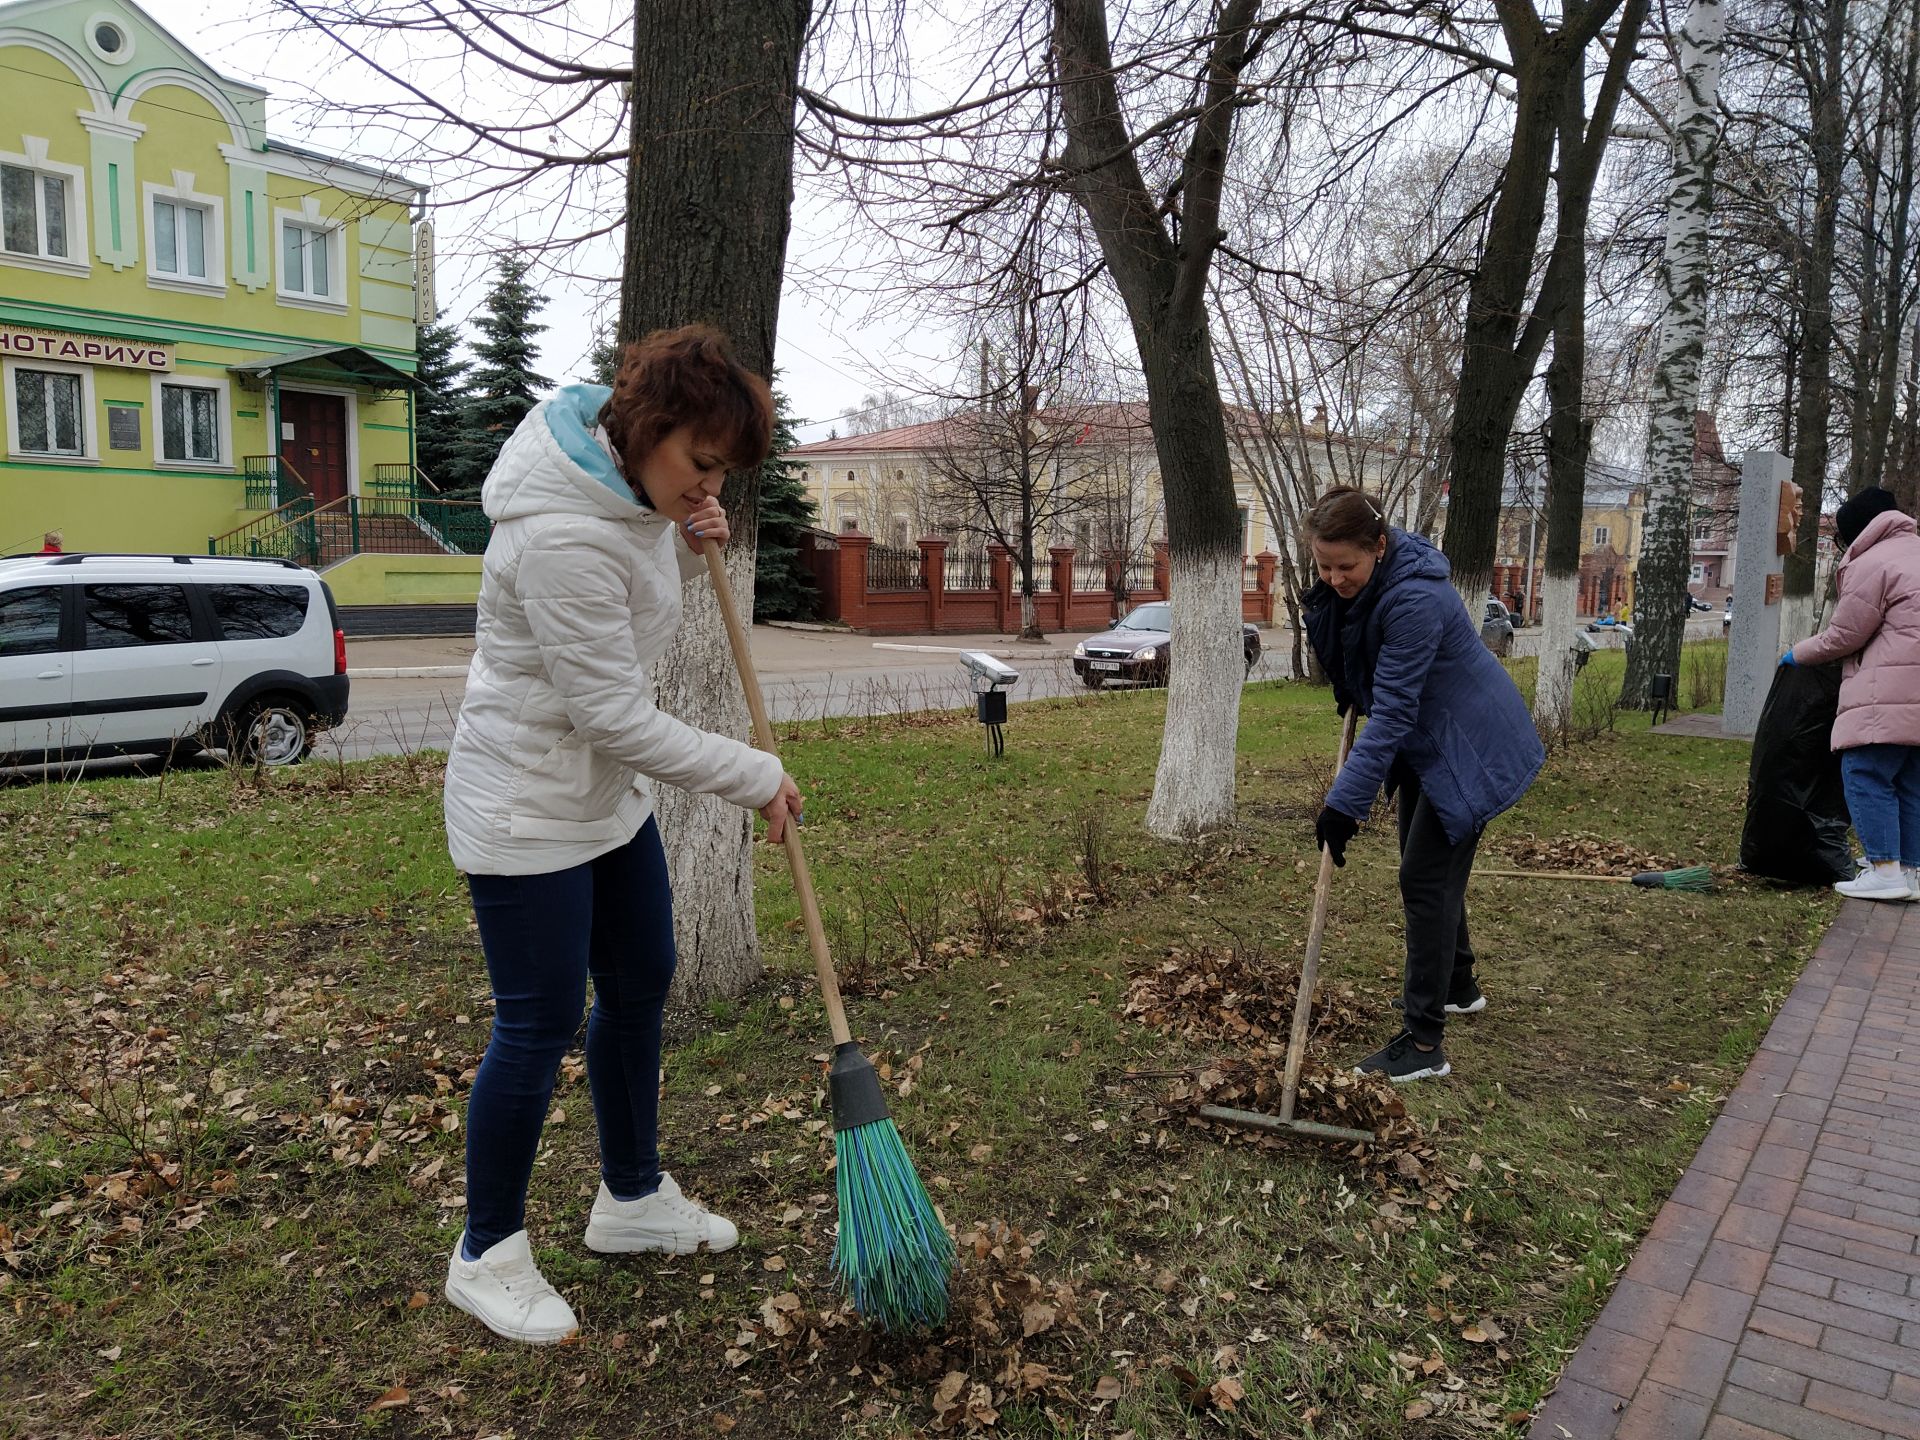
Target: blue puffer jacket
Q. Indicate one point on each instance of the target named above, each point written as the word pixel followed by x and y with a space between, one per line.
pixel 1435 699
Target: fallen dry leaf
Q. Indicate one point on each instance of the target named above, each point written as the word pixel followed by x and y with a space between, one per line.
pixel 1107 1388
pixel 392 1400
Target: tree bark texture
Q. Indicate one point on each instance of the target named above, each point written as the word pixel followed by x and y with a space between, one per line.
pixel 1660 592
pixel 709 191
pixel 1821 68
pixel 1504 339
pixel 1163 285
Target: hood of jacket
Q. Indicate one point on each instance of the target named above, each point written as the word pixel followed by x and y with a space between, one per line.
pixel 553 464
pixel 1884 526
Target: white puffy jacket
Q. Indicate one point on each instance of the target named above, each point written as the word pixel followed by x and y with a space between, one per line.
pixel 558 734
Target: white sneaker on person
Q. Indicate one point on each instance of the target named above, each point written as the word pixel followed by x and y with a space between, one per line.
pixel 665 1221
pixel 1877 884
pixel 505 1291
pixel 1912 875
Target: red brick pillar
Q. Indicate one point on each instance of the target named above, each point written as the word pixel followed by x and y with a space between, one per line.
pixel 1000 576
pixel 1062 557
pixel 1265 564
pixel 853 578
pixel 933 574
pixel 1162 570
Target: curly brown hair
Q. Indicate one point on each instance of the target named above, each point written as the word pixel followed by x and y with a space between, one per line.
pixel 688 376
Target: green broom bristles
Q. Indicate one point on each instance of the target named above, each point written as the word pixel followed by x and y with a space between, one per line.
pixel 892 1254
pixel 1694 877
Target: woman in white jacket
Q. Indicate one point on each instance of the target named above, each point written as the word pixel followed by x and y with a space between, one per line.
pixel 549 805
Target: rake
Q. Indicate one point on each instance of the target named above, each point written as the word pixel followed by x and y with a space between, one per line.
pixel 1303 1011
pixel 893 1254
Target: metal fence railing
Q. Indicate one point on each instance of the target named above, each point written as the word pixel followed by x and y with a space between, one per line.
pixel 889 568
pixel 969 572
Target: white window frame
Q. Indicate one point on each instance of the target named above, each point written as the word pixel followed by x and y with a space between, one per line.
pixel 222 408
pixel 75 261
pixel 182 193
pixel 335 297
pixel 89 403
pixel 1602 535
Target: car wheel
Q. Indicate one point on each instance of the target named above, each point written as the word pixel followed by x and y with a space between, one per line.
pixel 272 731
pixel 1253 659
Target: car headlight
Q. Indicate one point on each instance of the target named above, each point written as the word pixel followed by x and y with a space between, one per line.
pixel 1152 652
pixel 1080 651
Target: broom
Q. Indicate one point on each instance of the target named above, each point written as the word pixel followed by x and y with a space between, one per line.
pixel 892 1254
pixel 1693 877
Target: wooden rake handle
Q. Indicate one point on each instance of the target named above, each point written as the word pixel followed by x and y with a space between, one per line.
pixel 1316 933
pixel 796 857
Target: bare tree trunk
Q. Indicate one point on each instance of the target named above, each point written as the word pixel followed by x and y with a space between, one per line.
pixel 712 123
pixel 1897 279
pixel 1164 287
pixel 1822 71
pixel 1660 595
pixel 1503 339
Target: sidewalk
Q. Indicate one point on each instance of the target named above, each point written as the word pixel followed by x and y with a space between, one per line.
pixel 1778 1292
pixel 776 651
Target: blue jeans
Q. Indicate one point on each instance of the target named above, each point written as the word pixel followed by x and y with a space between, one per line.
pixel 612 919
pixel 1883 792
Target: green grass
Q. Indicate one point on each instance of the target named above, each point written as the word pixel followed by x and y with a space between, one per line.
pixel 261 1001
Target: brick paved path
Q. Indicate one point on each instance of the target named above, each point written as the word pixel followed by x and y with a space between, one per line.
pixel 1778 1291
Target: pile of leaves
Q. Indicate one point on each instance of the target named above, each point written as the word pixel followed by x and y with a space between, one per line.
pixel 1585 854
pixel 1331 1094
pixel 1212 996
pixel 1008 1330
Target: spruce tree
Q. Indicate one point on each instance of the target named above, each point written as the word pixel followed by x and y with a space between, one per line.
pixel 504 385
pixel 783 587
pixel 436 404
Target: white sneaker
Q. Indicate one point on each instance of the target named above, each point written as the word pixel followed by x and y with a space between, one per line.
pixel 1876 885
pixel 665 1221
pixel 1912 875
pixel 506 1292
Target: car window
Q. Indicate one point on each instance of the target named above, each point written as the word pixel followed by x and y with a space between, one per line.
pixel 30 621
pixel 1149 617
pixel 258 612
pixel 123 615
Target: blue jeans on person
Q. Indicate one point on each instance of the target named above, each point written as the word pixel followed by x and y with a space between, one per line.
pixel 1883 793
pixel 544 935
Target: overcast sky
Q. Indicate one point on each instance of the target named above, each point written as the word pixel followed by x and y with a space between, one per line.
pixel 830 352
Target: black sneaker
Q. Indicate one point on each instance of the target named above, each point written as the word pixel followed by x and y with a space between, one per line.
pixel 1400 1060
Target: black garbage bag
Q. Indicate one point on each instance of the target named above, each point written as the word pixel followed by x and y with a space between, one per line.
pixel 1797 821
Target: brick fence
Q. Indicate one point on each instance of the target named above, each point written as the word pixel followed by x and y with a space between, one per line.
pixel 839 565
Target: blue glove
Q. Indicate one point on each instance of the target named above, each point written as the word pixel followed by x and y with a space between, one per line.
pixel 1787 658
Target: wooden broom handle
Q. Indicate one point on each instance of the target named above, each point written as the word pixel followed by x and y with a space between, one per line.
pixel 796 857
pixel 1316 933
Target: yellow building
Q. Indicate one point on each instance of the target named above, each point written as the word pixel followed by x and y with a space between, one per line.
pixel 198 323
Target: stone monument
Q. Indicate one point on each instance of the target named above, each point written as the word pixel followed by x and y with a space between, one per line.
pixel 1753 642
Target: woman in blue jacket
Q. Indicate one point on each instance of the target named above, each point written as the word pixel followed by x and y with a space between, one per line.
pixel 1446 728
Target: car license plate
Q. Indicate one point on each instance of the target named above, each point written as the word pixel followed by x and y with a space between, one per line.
pixel 1103 665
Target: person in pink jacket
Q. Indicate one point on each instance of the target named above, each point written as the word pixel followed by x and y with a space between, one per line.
pixel 1876 630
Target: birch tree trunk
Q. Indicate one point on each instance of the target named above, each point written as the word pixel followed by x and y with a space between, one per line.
pixel 1660 594
pixel 712 122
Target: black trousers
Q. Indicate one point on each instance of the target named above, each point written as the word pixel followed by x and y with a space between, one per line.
pixel 1433 890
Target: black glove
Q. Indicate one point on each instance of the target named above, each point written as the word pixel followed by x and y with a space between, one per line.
pixel 1333 830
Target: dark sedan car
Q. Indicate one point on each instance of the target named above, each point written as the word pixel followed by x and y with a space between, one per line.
pixel 1136 648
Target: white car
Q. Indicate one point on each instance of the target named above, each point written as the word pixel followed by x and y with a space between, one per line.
pixel 166 654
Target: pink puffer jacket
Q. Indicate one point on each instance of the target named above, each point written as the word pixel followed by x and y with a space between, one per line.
pixel 1876 628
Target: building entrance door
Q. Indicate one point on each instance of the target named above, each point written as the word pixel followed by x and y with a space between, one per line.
pixel 313 440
